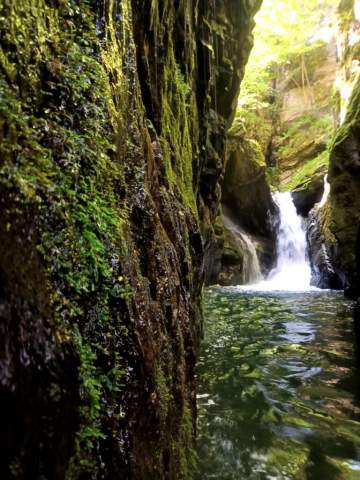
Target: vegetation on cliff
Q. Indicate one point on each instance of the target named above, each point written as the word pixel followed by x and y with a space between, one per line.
pixel 336 226
pixel 285 102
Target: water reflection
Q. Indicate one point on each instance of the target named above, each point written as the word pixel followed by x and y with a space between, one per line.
pixel 278 388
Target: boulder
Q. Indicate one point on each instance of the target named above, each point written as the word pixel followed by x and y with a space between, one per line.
pixel 305 197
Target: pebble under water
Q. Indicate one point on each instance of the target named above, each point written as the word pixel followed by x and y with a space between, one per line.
pixel 279 388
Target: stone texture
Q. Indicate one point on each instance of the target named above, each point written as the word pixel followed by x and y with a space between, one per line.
pixel 305 119
pixel 321 249
pixel 305 198
pixel 112 122
pixel 342 215
pixel 248 204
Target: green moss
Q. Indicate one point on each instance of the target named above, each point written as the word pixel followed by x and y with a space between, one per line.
pixel 352 118
pixel 176 137
pixel 304 174
pixel 273 178
pixel 302 139
pixel 306 123
pixel 254 124
pixel 58 156
pixel 188 455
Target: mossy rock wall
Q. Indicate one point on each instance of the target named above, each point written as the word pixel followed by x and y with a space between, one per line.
pixel 343 209
pixel 112 120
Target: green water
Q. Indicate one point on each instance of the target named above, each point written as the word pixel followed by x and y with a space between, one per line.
pixel 279 389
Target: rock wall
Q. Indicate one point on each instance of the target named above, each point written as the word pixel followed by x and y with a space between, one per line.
pixel 248 206
pixel 112 120
pixel 340 217
pixel 247 203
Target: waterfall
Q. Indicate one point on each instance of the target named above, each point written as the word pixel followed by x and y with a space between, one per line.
pixel 292 272
pixel 326 192
pixel 251 267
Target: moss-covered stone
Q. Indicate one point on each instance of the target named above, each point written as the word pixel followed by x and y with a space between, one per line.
pixel 112 120
pixel 342 216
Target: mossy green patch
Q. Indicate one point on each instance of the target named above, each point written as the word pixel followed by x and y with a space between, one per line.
pixel 58 156
pixel 304 174
pixel 176 135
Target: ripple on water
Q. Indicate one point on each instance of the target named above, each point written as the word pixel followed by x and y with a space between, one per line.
pixel 279 394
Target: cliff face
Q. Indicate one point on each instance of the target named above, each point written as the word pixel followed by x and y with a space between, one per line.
pixel 305 123
pixel 339 219
pixel 112 126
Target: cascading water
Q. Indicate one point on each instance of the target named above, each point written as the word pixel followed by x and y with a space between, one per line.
pixel 326 192
pixel 292 272
pixel 251 267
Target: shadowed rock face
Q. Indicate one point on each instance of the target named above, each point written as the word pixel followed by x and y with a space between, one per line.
pixel 248 202
pixel 341 216
pixel 248 205
pixel 305 199
pixel 246 193
pixel 112 124
pixel 321 251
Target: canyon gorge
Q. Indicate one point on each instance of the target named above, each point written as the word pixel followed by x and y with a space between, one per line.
pixel 137 167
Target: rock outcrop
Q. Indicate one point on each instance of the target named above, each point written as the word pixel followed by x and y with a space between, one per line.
pixel 112 129
pixel 321 250
pixel 247 206
pixel 306 196
pixel 240 255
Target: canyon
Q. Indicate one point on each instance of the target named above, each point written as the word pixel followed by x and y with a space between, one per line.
pixel 127 183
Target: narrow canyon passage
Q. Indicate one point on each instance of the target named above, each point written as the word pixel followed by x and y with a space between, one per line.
pixel 179 239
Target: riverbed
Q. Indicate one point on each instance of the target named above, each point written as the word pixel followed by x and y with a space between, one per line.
pixel 278 387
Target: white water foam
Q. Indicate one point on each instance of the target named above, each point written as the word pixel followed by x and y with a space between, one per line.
pixel 292 272
pixel 326 192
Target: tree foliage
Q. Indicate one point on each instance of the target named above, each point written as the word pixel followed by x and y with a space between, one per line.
pixel 284 28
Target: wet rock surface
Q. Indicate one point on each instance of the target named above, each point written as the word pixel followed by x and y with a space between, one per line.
pixel 342 215
pixel 248 205
pixel 113 116
pixel 321 253
pixel 306 198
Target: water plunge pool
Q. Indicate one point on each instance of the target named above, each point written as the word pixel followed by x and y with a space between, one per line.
pixel 278 387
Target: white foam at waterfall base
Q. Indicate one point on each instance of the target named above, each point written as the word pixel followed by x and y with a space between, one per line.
pixel 292 272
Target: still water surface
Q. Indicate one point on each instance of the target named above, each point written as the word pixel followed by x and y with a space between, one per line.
pixel 279 390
